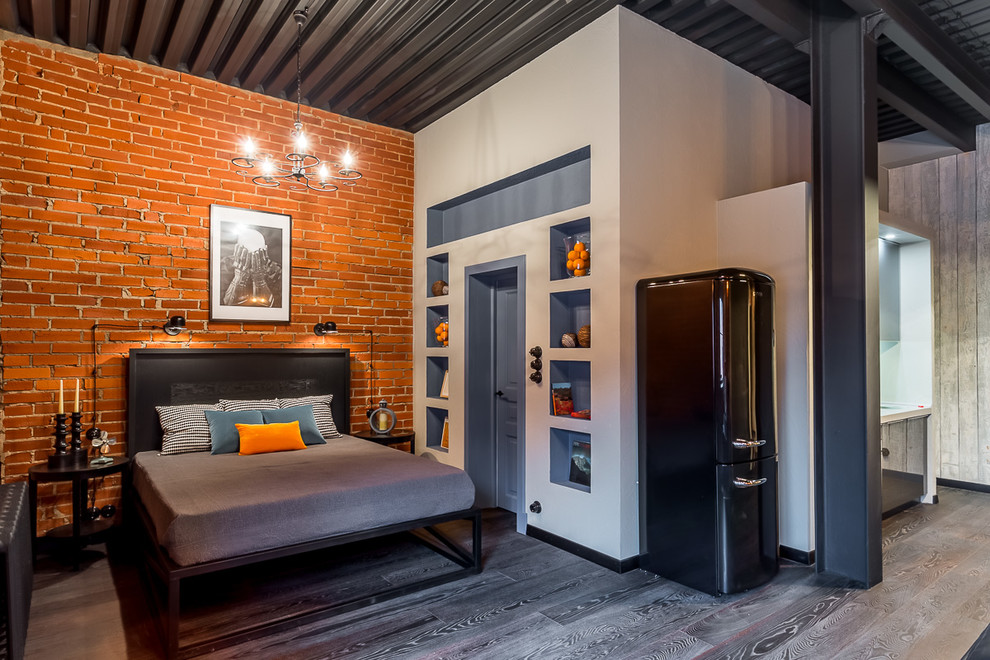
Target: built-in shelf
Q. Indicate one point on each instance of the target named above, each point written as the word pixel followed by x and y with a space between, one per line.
pixel 436 369
pixel 435 419
pixel 569 310
pixel 561 241
pixel 570 459
pixel 434 315
pixel 577 373
pixel 436 269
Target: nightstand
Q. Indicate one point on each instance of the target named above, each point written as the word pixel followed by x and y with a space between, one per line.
pixel 396 438
pixel 80 531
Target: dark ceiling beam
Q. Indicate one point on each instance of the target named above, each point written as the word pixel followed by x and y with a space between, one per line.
pixel 10 18
pixel 114 29
pixel 79 23
pixel 215 38
pixel 909 27
pixel 150 29
pixel 43 20
pixel 281 48
pixel 554 30
pixel 900 93
pixel 465 31
pixel 376 47
pixel 187 28
pixel 789 19
pixel 316 80
pixel 249 38
pixel 412 51
pixel 324 32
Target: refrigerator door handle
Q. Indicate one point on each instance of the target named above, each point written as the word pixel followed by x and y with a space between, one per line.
pixel 739 443
pixel 739 482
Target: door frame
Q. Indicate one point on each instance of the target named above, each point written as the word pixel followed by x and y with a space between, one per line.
pixel 477 271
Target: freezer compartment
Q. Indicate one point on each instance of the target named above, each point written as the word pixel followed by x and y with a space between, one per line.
pixel 747 524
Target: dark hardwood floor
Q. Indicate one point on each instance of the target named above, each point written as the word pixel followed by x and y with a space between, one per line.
pixel 534 601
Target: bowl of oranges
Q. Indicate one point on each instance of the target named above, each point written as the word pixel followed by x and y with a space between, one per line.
pixel 578 249
pixel 442 332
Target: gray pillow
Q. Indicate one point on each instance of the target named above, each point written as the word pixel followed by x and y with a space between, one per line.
pixel 185 428
pixel 224 437
pixel 321 411
pixel 302 414
pixel 230 405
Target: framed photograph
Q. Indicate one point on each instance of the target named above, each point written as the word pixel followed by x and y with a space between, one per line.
pixel 250 255
pixel 445 388
pixel 445 438
pixel 560 397
pixel 580 463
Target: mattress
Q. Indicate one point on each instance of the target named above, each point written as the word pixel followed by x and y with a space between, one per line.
pixel 205 507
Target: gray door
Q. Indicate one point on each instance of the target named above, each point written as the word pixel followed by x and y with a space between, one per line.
pixel 506 385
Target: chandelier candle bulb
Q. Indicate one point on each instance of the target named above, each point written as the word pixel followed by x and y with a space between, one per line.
pixel 75 406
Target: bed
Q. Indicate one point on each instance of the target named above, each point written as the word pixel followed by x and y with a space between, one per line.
pixel 200 513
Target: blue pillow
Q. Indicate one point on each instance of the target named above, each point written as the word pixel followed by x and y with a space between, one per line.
pixel 302 414
pixel 224 438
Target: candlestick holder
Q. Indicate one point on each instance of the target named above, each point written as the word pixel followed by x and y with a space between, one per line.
pixel 80 455
pixel 61 457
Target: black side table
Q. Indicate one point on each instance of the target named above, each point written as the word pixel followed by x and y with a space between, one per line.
pixel 390 439
pixel 79 531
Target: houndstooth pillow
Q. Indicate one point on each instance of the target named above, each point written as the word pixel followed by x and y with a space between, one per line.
pixel 321 412
pixel 231 405
pixel 185 428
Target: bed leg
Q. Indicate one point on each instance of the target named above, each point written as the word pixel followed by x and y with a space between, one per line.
pixel 172 619
pixel 476 544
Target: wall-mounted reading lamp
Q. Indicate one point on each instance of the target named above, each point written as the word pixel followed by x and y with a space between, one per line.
pixel 324 328
pixel 172 327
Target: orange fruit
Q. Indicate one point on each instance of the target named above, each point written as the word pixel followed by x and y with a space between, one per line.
pixel 584 255
pixel 578 246
pixel 578 265
pixel 572 255
pixel 579 273
pixel 570 264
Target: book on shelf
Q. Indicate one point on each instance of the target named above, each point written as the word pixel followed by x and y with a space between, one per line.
pixel 445 438
pixel 445 387
pixel 560 394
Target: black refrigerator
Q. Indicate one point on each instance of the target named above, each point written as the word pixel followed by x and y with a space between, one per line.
pixel 707 429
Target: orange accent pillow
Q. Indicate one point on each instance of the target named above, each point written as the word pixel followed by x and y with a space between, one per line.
pixel 265 438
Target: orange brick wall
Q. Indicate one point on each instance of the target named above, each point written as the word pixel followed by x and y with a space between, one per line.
pixel 108 168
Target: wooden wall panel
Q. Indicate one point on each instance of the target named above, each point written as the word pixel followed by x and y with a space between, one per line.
pixel 947 322
pixel 982 190
pixel 966 317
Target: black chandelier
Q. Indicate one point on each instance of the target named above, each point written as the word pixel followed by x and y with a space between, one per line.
pixel 303 170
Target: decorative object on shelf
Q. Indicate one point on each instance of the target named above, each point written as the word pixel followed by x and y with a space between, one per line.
pixel 569 340
pixel 445 436
pixel 67 455
pixel 303 170
pixel 61 457
pixel 536 365
pixel 440 288
pixel 445 387
pixel 250 254
pixel 102 447
pixel 578 249
pixel 172 327
pixel 584 336
pixel 580 472
pixel 560 397
pixel 442 332
pixel 324 328
pixel 382 419
pixel 582 414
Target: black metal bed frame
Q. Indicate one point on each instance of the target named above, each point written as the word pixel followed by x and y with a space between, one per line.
pixel 205 373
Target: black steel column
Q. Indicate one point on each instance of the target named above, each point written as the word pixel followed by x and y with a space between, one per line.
pixel 846 334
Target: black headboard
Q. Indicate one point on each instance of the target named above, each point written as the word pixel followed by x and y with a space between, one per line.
pixel 165 376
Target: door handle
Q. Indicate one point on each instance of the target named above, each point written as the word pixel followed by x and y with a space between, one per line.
pixel 499 393
pixel 739 443
pixel 739 482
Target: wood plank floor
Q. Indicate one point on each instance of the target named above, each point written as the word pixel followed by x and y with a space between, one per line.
pixel 535 601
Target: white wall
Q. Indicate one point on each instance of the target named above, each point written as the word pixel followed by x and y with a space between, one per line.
pixel 915 384
pixel 770 232
pixel 672 130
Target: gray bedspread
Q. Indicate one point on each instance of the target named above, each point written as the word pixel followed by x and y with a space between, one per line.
pixel 206 507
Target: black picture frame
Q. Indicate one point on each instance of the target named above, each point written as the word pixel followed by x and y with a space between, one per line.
pixel 250 275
